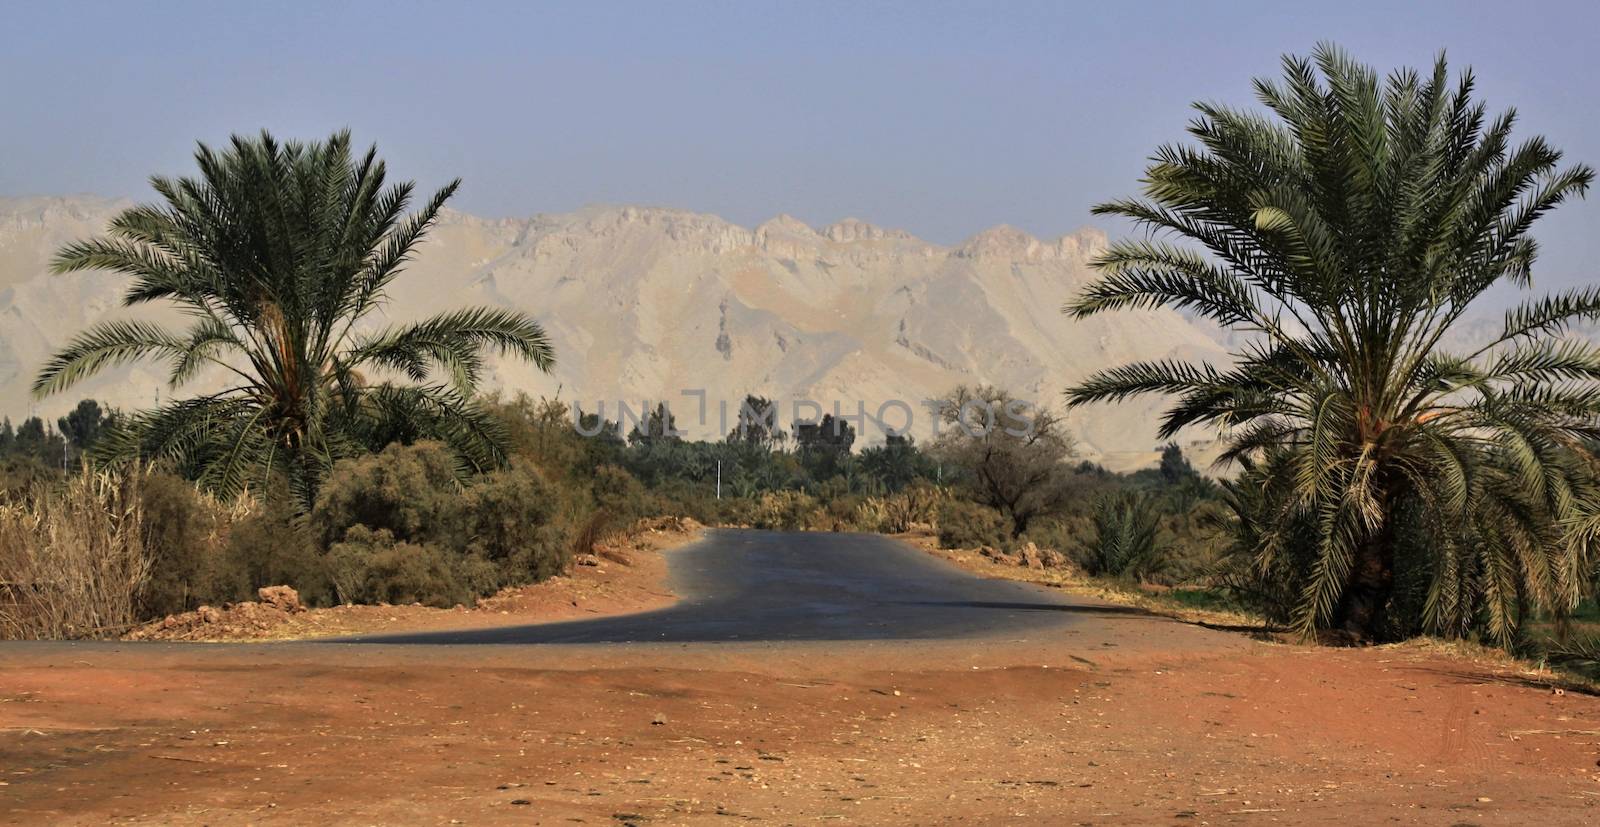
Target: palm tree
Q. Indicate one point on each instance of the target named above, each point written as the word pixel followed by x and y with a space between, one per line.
pixel 1348 236
pixel 280 253
pixel 1127 539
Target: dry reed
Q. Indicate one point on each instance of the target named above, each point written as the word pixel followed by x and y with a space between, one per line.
pixel 72 558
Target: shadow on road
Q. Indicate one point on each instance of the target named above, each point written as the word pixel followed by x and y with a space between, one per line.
pixel 1134 611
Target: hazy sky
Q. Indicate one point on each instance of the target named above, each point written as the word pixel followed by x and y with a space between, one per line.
pixel 941 119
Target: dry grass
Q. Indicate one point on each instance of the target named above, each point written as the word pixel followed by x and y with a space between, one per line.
pixel 72 559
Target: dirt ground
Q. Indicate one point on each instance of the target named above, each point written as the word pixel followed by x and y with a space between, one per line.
pixel 1123 718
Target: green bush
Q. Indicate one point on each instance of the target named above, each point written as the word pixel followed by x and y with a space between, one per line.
pixel 190 563
pixel 399 526
pixel 373 567
pixel 511 519
pixel 697 500
pixel 620 494
pixel 273 547
pixel 1127 539
pixel 1062 533
pixel 618 501
pixel 964 524
pixel 409 490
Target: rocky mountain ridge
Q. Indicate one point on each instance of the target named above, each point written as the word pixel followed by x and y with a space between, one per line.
pixel 646 303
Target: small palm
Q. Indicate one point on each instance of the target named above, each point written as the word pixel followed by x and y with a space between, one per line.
pixel 279 253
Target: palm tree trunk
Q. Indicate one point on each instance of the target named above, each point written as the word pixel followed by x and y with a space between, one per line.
pixel 1366 596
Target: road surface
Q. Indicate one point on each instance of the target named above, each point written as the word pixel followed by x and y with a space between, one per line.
pixel 743 585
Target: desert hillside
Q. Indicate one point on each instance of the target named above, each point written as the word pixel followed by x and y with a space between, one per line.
pixel 644 303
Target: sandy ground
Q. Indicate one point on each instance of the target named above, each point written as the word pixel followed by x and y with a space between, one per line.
pixel 1121 718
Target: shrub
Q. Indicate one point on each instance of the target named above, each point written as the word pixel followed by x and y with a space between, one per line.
pixel 619 501
pixel 687 498
pixel 836 514
pixel 273 546
pixel 373 567
pixel 185 535
pixel 1126 542
pixel 619 493
pixel 409 490
pixel 965 524
pixel 399 527
pixel 1269 584
pixel 510 519
pixel 783 510
pixel 20 475
pixel 917 505
pixel 872 514
pixel 72 560
pixel 1062 533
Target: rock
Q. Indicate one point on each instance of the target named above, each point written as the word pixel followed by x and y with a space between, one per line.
pixel 658 720
pixel 994 554
pixel 208 614
pixel 282 598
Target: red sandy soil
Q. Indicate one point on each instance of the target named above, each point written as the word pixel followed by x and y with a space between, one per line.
pixel 1123 718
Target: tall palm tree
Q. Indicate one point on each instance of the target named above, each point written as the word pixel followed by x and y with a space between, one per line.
pixel 280 253
pixel 1348 235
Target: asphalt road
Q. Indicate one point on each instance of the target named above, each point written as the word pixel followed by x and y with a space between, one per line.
pixel 743 585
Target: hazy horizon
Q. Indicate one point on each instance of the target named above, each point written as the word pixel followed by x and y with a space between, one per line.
pixel 941 120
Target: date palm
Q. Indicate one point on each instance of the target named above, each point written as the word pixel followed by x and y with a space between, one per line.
pixel 279 254
pixel 1347 233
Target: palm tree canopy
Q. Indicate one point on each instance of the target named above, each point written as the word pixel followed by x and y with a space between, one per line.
pixel 280 254
pixel 1347 232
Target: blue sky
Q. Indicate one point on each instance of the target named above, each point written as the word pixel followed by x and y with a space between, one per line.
pixel 939 118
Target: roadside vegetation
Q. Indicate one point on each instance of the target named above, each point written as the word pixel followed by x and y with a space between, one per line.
pixel 404 524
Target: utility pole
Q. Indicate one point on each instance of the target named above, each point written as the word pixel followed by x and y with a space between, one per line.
pixel 719 479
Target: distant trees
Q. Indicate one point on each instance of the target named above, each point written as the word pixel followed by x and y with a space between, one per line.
pixel 32 440
pixel 34 450
pixel 73 435
pixel 824 445
pixel 757 424
pixel 896 463
pixel 83 426
pixel 1175 467
pixel 658 426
